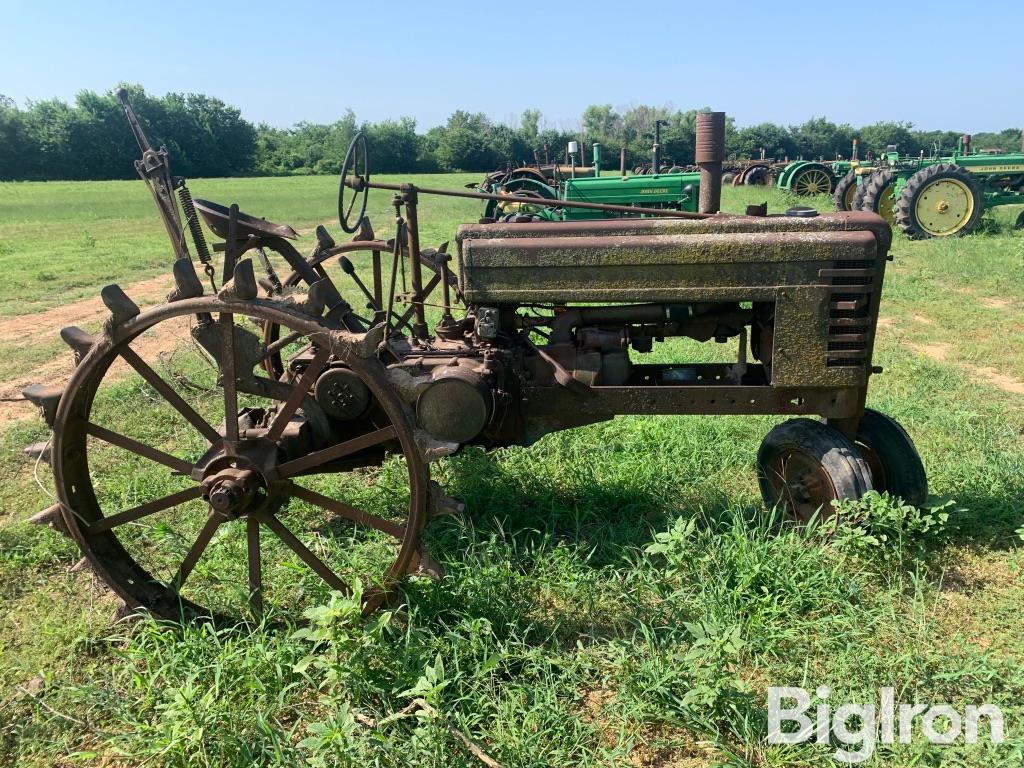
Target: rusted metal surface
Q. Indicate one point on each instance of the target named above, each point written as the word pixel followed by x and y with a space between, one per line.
pixel 710 153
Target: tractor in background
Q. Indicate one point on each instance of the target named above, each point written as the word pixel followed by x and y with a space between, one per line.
pixel 819 177
pixel 675 189
pixel 941 195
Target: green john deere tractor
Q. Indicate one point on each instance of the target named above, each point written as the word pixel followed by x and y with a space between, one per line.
pixel 821 177
pixel 942 195
pixel 672 190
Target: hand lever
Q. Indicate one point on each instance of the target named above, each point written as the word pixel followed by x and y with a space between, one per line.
pixel 349 269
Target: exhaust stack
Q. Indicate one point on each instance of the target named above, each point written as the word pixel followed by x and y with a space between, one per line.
pixel 710 155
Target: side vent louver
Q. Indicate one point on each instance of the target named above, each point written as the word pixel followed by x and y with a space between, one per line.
pixel 849 312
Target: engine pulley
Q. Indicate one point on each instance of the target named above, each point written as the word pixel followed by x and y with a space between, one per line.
pixel 342 394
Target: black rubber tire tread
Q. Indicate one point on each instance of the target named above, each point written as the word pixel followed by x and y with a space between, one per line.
pixel 902 468
pixel 848 472
pixel 904 209
pixel 858 196
pixel 877 185
pixel 757 176
pixel 842 187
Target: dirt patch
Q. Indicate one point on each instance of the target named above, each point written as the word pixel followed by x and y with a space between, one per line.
pixel 996 303
pixel 164 337
pixel 1001 380
pixel 886 322
pixel 48 323
pixel 939 351
pixel 923 320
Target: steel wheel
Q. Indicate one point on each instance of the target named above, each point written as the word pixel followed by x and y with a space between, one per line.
pixel 229 492
pixel 813 181
pixel 272 333
pixel 804 465
pixel 942 200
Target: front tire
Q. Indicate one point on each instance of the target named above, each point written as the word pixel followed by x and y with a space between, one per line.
pixel 805 465
pixel 895 464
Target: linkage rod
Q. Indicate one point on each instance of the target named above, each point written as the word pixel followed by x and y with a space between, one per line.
pixel 357 183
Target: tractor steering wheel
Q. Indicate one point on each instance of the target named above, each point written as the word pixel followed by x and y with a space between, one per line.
pixel 357 163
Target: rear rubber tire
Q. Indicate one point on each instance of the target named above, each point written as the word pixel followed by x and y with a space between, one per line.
pixel 758 176
pixel 906 209
pixel 895 464
pixel 846 191
pixel 879 185
pixel 803 465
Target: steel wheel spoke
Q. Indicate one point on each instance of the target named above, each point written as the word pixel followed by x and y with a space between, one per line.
pixel 300 549
pixel 228 376
pixel 189 563
pixel 300 390
pixel 122 441
pixel 277 346
pixel 293 467
pixel 149 508
pixel 252 530
pixel 172 397
pixel 349 513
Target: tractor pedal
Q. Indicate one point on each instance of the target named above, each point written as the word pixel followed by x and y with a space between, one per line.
pixel 365 231
pixel 81 343
pixel 316 299
pixel 187 284
pixel 323 238
pixel 427 566
pixel 442 504
pixel 52 517
pixel 243 283
pixel 45 397
pixel 122 309
pixel 40 451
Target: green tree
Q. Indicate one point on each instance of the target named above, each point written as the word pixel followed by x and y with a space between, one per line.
pixel 821 138
pixel 465 143
pixel 878 136
pixel 17 146
pixel 529 125
pixel 774 139
pixel 393 145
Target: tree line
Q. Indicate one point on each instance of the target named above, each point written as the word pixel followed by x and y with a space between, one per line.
pixel 206 137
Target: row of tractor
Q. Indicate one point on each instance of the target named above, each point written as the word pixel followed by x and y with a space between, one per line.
pixel 942 195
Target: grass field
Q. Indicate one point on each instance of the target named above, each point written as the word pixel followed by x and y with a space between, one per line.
pixel 615 595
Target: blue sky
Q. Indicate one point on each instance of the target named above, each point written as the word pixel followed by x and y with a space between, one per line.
pixel 941 64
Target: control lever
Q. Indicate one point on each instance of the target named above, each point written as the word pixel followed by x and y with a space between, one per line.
pixel 349 269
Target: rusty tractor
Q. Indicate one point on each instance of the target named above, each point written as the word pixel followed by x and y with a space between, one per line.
pixel 244 447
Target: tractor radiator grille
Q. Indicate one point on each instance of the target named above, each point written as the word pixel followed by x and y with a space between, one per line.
pixel 850 311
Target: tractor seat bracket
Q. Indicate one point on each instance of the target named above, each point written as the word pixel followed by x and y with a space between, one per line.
pixel 216 217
